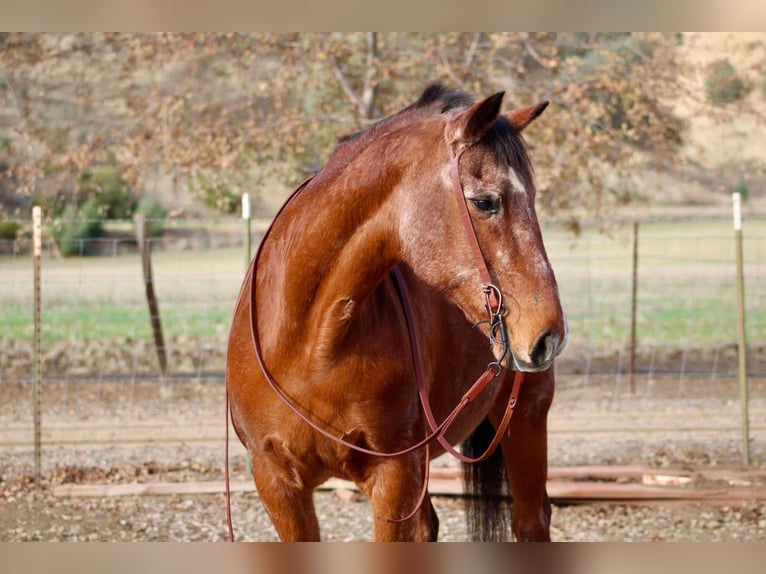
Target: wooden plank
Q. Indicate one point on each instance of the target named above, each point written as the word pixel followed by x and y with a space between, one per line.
pixel 617 472
pixel 587 472
pixel 437 486
pixel 155 488
pixel 558 490
pixel 582 491
pixel 599 472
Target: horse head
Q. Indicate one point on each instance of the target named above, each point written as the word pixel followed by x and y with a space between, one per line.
pixel 491 170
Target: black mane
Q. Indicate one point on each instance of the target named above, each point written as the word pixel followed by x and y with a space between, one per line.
pixel 434 97
pixel 503 139
pixel 448 99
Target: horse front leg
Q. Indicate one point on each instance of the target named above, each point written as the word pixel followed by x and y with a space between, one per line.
pixel 394 488
pixel 288 500
pixel 428 523
pixel 525 449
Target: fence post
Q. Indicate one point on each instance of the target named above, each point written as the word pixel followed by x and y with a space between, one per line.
pixel 247 216
pixel 633 309
pixel 151 298
pixel 37 248
pixel 248 237
pixel 741 333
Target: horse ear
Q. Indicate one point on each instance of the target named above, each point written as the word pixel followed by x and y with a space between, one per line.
pixel 522 117
pixel 474 122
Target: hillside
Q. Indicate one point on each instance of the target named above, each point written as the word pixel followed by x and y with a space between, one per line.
pixel 724 149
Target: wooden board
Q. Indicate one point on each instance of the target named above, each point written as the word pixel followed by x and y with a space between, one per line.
pixel 570 484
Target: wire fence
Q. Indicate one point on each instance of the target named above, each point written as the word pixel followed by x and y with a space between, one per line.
pixel 99 363
pixel 97 300
pixel 685 300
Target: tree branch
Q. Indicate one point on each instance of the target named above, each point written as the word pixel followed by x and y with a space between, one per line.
pixel 472 51
pixel 448 68
pixel 367 104
pixel 544 62
pixel 345 86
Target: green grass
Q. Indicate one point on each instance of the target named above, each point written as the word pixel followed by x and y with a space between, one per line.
pixel 687 289
pixel 96 298
pixel 108 321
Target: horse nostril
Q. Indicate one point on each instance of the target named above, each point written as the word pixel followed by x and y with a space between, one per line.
pixel 542 350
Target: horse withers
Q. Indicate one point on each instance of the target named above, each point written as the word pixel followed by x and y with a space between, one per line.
pixel 320 376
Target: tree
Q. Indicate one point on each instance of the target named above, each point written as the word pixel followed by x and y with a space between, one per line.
pixel 219 113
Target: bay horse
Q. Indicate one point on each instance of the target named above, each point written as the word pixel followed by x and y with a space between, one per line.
pixel 321 367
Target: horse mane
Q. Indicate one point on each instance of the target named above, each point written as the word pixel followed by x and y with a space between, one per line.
pixel 503 139
pixel 434 99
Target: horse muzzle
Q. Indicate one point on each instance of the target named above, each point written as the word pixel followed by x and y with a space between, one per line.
pixel 538 357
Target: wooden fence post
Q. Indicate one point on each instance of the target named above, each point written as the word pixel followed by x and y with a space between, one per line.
pixel 37 248
pixel 633 310
pixel 154 310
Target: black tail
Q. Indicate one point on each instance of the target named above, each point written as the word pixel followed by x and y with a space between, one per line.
pixel 488 502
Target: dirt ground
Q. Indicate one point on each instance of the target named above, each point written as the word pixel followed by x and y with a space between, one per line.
pixel 129 432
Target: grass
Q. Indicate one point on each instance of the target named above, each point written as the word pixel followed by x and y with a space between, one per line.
pixel 108 321
pixel 94 298
pixel 687 289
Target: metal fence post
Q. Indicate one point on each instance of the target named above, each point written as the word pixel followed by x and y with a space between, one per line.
pixel 742 334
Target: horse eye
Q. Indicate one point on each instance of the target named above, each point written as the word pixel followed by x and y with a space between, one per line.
pixel 486 205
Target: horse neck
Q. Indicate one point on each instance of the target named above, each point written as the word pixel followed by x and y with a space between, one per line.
pixel 325 259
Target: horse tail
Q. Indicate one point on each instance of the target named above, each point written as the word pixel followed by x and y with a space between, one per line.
pixel 488 502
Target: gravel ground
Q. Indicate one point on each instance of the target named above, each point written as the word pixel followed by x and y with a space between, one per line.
pixel 201 518
pixel 26 516
pixel 577 438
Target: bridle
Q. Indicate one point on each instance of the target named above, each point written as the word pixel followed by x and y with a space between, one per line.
pixel 498 333
pixel 492 294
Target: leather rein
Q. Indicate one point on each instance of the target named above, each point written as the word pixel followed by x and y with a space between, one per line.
pixel 498 333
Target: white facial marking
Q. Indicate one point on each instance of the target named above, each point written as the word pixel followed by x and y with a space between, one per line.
pixel 516 183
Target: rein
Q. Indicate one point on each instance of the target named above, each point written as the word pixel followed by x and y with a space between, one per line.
pixel 498 333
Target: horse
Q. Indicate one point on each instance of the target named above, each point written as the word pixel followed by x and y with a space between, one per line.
pixel 368 274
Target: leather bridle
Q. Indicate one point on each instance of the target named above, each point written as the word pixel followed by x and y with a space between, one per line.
pixel 498 333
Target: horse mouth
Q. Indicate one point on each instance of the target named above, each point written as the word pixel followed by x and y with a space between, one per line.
pixel 539 358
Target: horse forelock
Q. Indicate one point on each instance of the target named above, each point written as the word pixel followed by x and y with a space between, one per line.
pixel 510 149
pixel 503 139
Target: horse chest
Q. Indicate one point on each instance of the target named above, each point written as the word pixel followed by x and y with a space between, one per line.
pixel 471 416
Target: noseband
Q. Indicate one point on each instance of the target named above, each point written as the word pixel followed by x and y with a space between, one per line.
pixel 498 334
